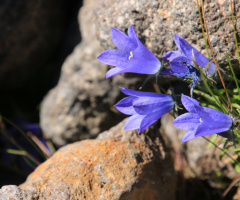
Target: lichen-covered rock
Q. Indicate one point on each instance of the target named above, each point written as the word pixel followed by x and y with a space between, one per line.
pixel 117 165
pixel 80 106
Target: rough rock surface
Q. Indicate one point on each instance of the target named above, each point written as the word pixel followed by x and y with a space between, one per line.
pixel 12 192
pixel 29 33
pixel 156 22
pixel 80 106
pixel 117 165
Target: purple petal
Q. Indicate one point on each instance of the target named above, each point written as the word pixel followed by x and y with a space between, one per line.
pixel 187 121
pixel 189 103
pixel 114 57
pixel 125 106
pixel 188 50
pixel 143 61
pixel 170 55
pixel 212 69
pixel 131 32
pixel 148 105
pixel 122 41
pixel 149 120
pixel 114 71
pixel 184 46
pixel 140 93
pixel 178 67
pixel 133 122
pixel 213 121
pixel 204 129
pixel 188 136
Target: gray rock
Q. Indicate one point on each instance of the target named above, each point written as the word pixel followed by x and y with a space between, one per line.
pixel 13 192
pixel 81 105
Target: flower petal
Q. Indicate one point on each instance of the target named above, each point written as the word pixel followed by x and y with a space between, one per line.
pixel 114 71
pixel 114 57
pixel 213 121
pixel 170 55
pixel 178 67
pixel 143 61
pixel 125 106
pixel 189 103
pixel 150 119
pixel 148 105
pixel 187 121
pixel 212 69
pixel 188 136
pixel 184 46
pixel 133 122
pixel 188 50
pixel 122 41
pixel 204 129
pixel 140 93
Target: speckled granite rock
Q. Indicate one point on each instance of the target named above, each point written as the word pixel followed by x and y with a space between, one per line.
pixel 156 22
pixel 117 165
pixel 12 192
pixel 80 106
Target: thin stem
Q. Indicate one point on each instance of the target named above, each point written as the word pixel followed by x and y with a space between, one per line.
pixel 203 31
pixel 214 59
pixel 234 77
pixel 221 150
pixel 235 32
pixel 27 138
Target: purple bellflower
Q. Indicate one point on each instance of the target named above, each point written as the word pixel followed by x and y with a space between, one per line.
pixel 201 121
pixel 145 108
pixel 181 63
pixel 131 55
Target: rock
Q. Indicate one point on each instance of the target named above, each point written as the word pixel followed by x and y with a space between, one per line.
pixel 117 165
pixel 156 22
pixel 29 34
pixel 12 192
pixel 81 105
pixel 203 174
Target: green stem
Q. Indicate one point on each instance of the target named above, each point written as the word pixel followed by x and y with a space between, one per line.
pixel 235 33
pixel 203 31
pixel 235 161
pixel 26 137
pixel 233 73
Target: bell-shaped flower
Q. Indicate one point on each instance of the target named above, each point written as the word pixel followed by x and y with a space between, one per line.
pixel 145 108
pixel 182 62
pixel 201 121
pixel 131 55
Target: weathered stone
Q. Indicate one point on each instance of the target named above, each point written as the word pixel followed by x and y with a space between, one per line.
pixel 81 104
pixel 13 192
pixel 156 22
pixel 194 159
pixel 117 165
pixel 80 107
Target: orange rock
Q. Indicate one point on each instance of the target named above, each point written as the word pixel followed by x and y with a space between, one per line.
pixel 117 165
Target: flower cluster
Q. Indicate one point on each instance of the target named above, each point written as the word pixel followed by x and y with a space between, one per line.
pixel 145 108
pixel 182 62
